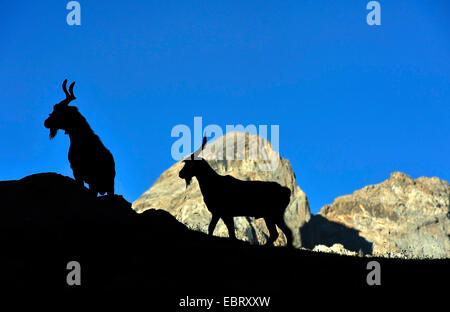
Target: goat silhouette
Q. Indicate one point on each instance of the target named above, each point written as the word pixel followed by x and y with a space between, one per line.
pixel 227 197
pixel 90 160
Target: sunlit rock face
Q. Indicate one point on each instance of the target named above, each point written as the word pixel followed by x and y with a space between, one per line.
pixel 402 217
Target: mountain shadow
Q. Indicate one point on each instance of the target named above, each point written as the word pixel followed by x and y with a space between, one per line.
pixel 320 230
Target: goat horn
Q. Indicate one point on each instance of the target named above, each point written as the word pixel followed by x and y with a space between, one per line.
pixel 71 90
pixel 197 152
pixel 65 89
pixel 204 140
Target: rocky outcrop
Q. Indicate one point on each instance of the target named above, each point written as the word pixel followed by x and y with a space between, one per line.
pixel 400 217
pixel 169 192
pixel 336 248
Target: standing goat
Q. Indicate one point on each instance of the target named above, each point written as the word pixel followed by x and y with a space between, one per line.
pixel 227 197
pixel 90 160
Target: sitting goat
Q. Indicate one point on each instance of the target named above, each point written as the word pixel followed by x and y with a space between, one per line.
pixel 90 160
pixel 227 197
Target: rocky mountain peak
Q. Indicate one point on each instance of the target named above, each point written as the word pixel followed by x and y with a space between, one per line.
pixel 400 216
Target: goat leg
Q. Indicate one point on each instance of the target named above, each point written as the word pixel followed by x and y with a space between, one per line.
pixel 273 232
pixel 212 224
pixel 229 222
pixel 287 232
pixel 93 190
pixel 78 177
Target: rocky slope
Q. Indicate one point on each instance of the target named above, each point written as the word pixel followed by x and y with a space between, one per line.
pixel 399 217
pixel 169 191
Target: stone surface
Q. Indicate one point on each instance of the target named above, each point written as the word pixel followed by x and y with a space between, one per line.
pixel 401 217
pixel 336 248
pixel 169 192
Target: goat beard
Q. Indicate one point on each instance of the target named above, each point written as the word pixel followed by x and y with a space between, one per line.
pixel 53 132
pixel 188 181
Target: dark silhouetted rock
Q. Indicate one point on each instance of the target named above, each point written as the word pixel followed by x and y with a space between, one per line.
pixel 47 220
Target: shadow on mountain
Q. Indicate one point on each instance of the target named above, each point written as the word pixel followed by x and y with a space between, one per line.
pixel 320 230
pixel 48 220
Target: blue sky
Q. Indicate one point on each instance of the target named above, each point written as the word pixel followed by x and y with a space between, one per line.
pixel 353 102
